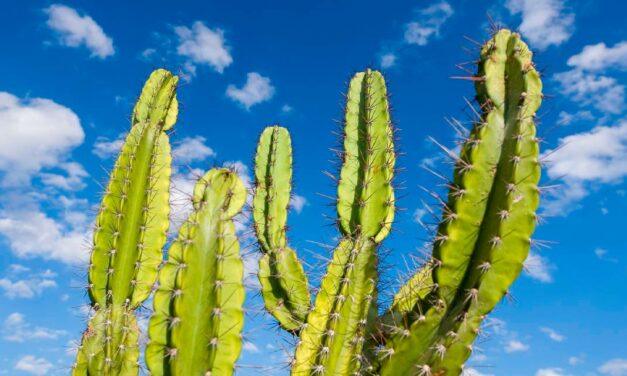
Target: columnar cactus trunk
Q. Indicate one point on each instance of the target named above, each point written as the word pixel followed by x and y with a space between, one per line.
pixel 198 318
pixel 485 232
pixel 130 233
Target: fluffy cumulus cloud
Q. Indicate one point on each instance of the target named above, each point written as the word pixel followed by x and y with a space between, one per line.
pixel 584 160
pixel 75 30
pixel 544 22
pixel 37 133
pixel 31 232
pixel 33 365
pixel 15 328
pixel 428 24
pixel 614 367
pixel 590 83
pixel 203 46
pixel 599 56
pixel 257 89
pixel 475 372
pixel 602 92
pixel 192 149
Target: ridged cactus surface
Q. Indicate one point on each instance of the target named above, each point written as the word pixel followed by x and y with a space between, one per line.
pixel 485 232
pixel 129 235
pixel 198 316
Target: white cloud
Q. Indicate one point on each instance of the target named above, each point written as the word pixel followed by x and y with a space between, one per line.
pixel 71 181
pixel 298 203
pixel 428 24
pixel 75 30
pixel 586 159
pixel 599 57
pixel 614 367
pixel 105 148
pixel 474 372
pixel 192 149
pixel 551 372
pixel 33 233
pixel 419 214
pixel 544 22
pixel 286 109
pixel 600 252
pixel 538 268
pixel 21 282
pixel 552 334
pixel 566 118
pixel 37 133
pixel 250 347
pixel 33 365
pixel 16 329
pixel 590 89
pixel 257 89
pixel 575 360
pixel 388 60
pixel 203 46
pixel 515 346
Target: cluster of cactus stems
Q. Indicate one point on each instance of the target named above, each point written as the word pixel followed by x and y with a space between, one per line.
pixel 479 246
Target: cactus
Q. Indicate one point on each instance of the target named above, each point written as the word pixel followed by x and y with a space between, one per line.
pixel 479 247
pixel 478 250
pixel 129 234
pixel 198 318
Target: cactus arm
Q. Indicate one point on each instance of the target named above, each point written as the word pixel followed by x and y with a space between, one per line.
pixel 365 193
pixel 345 309
pixel 331 342
pixel 130 232
pixel 504 240
pixel 196 328
pixel 282 277
pixel 473 279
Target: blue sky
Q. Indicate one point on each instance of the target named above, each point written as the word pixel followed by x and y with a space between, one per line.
pixel 70 72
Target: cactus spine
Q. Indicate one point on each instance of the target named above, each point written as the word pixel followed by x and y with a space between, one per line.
pixel 198 318
pixel 478 250
pixel 129 234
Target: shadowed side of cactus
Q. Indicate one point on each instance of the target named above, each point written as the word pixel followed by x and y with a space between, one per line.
pixel 485 232
pixel 129 234
pixel 198 318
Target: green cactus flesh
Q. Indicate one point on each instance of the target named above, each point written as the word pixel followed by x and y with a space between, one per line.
pixel 484 236
pixel 281 275
pixel 345 309
pixel 130 232
pixel 198 318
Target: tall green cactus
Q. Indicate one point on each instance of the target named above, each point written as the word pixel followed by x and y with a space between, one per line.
pixel 198 318
pixel 130 233
pixel 478 251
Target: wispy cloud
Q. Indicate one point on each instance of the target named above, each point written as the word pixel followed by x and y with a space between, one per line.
pixel 192 149
pixel 544 22
pixel 538 268
pixel 428 23
pixel 614 367
pixel 298 203
pixel 516 346
pixel 75 30
pixel 257 89
pixel 15 328
pixel 551 372
pixel 33 365
pixel 552 334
